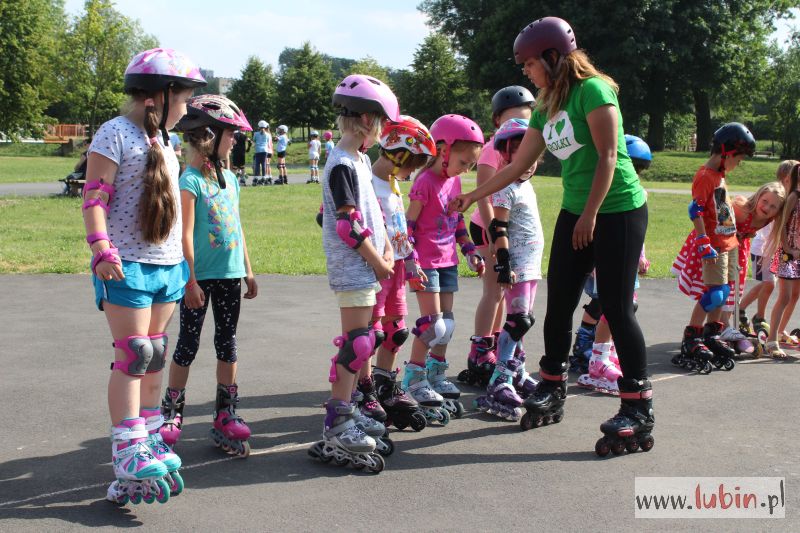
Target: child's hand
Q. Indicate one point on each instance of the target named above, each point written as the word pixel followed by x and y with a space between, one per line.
pixel 415 275
pixel 252 287
pixel 194 298
pixel 384 269
pixel 704 248
pixel 644 266
pixel 507 286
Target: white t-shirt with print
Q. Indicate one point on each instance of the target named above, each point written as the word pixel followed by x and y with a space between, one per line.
pixel 394 217
pixel 758 242
pixel 125 143
pixel 313 148
pixel 525 235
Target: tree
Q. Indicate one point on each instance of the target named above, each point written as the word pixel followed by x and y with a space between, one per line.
pixel 306 88
pixel 370 67
pixel 340 66
pixel 255 92
pixel 28 35
pixel 784 99
pixel 96 51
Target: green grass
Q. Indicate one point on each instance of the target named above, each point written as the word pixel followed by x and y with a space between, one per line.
pixel 14 169
pixel 46 235
pixel 681 167
pixel 29 149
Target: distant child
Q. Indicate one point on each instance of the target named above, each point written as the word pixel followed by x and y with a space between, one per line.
pixel 241 145
pixel 358 256
pixel 406 145
pixel 314 147
pixel 262 170
pixel 132 215
pixel 507 103
pixel 436 231
pixel 281 144
pixel 761 273
pixel 215 250
pixel 328 138
pixel 714 241
pixel 785 265
pixel 518 243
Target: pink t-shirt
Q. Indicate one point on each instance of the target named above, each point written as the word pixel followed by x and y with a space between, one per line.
pixel 435 234
pixel 491 157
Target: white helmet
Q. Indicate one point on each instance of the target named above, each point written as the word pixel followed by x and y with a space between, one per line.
pixel 314 133
pixel 283 129
pixel 263 124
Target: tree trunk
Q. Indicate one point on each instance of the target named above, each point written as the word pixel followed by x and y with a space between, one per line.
pixel 702 115
pixel 655 129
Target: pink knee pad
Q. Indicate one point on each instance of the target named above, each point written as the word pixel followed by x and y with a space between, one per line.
pixel 138 355
pixel 159 342
pixel 380 335
pixel 355 348
pixel 396 335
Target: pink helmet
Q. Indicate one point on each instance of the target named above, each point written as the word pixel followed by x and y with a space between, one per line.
pixel 451 128
pixel 215 111
pixel 358 94
pixel 544 34
pixel 328 135
pixel 160 68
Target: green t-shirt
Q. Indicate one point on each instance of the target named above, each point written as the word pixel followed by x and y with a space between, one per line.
pixel 218 252
pixel 568 138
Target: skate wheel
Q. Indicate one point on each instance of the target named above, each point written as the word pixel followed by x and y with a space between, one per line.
pixel 379 464
pixel 401 426
pixel 632 445
pixel 706 368
pixel 136 498
pixel 162 496
pixel 387 449
pixel 418 421
pixel 729 364
pixel 617 447
pixel 150 497
pixel 795 332
pixel 122 500
pixel 240 449
pixel 445 417
pixel 718 364
pixel 526 422
pixel 361 466
pixel 341 461
pixel 647 443
pixel 175 483
pixel 601 448
pixel 558 417
pixel 463 376
pixel 459 410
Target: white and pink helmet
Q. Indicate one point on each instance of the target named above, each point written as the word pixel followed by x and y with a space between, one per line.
pixel 449 129
pixel 161 68
pixel 213 110
pixel 358 94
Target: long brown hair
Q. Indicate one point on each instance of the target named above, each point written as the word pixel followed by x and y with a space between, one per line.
pixel 571 68
pixel 201 140
pixel 775 237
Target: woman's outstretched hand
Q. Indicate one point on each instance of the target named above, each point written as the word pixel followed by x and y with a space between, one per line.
pixel 460 203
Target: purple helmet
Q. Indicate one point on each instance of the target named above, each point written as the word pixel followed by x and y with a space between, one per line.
pixel 215 111
pixel 511 128
pixel 544 34
pixel 159 68
pixel 451 128
pixel 358 94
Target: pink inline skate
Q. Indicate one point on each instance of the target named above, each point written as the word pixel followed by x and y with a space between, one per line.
pixel 604 370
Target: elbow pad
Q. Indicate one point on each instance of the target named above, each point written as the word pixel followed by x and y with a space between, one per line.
pixel 348 227
pixel 695 209
pixel 461 227
pixel 497 229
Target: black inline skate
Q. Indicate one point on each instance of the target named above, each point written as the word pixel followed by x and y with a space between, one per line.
pixel 723 354
pixel 630 429
pixel 401 409
pixel 546 404
pixel 694 355
pixel 480 362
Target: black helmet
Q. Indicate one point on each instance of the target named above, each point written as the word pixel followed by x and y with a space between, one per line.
pixel 512 96
pixel 733 139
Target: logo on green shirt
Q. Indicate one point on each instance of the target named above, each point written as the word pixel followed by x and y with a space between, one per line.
pixel 560 136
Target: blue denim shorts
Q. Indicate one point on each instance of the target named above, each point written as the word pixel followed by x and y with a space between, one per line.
pixel 441 279
pixel 144 285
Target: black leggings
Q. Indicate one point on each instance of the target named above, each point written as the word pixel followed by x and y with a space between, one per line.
pixel 614 254
pixel 226 298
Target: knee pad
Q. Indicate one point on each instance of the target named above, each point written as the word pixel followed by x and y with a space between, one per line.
pixel 429 329
pixel 517 325
pixel 159 342
pixel 715 297
pixel 355 348
pixel 450 327
pixel 593 309
pixel 396 335
pixel 138 354
pixel 380 335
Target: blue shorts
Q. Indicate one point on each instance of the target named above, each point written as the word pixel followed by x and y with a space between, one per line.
pixel 441 279
pixel 144 285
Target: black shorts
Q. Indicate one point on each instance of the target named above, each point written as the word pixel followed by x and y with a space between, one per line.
pixel 282 154
pixel 237 160
pixel 478 235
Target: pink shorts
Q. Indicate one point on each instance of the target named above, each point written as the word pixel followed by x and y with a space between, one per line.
pixel 391 301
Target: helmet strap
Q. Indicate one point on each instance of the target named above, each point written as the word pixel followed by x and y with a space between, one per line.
pixel 445 160
pixel 164 112
pixel 215 159
pixel 398 163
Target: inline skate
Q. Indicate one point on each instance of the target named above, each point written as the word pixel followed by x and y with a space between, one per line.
pixel 401 409
pixel 153 422
pixel 523 382
pixel 140 476
pixel 368 400
pixel 582 350
pixel 375 429
pixel 546 404
pixel 723 353
pixel 501 397
pixel 344 442
pixel 445 387
pixel 630 429
pixel 229 432
pixel 415 382
pixel 740 341
pixel 480 361
pixel 172 410
pixel 604 370
pixel 694 355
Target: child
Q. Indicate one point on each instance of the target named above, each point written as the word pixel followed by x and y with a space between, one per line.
pixel 405 146
pixel 518 242
pixel 328 137
pixel 358 255
pixel 241 145
pixel 507 103
pixel 436 231
pixel 215 250
pixel 261 162
pixel 714 241
pixel 280 146
pixel 314 147
pixel 133 226
pixel 785 265
pixel 761 273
